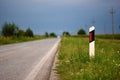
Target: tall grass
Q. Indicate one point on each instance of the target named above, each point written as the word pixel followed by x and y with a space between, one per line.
pixel 13 39
pixel 108 36
pixel 75 64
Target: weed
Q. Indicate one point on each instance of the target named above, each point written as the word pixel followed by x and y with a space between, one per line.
pixel 75 64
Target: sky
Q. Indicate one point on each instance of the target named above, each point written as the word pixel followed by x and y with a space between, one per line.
pixel 61 15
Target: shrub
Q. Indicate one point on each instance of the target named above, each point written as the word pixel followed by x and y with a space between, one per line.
pixel 81 32
pixel 21 33
pixel 66 33
pixel 53 35
pixel 46 34
pixel 9 29
pixel 29 33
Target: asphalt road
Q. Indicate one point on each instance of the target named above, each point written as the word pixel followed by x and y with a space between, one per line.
pixel 27 61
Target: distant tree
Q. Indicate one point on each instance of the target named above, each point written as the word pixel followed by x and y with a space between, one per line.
pixel 53 35
pixel 66 33
pixel 29 33
pixel 81 32
pixel 0 32
pixel 9 29
pixel 16 31
pixel 21 33
pixel 119 28
pixel 46 34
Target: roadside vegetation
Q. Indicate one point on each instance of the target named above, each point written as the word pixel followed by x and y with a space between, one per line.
pixel 81 32
pixel 101 36
pixel 10 40
pixel 11 33
pixel 11 29
pixel 109 36
pixel 75 64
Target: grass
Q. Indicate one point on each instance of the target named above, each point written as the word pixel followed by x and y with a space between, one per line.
pixel 101 36
pixel 10 40
pixel 108 36
pixel 75 64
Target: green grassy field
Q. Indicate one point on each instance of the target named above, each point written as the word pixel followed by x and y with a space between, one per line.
pixel 109 36
pixel 10 40
pixel 75 64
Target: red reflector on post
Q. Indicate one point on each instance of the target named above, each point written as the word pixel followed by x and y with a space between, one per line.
pixel 91 36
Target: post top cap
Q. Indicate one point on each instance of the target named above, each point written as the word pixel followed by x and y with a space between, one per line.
pixel 91 28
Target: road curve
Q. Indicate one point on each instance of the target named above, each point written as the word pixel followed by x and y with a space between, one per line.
pixel 27 61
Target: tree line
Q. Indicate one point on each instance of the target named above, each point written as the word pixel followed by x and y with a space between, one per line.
pixel 11 29
pixel 80 32
pixel 66 33
pixel 50 34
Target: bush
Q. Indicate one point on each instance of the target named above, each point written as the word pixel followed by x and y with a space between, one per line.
pixel 29 33
pixel 81 32
pixel 46 34
pixel 53 35
pixel 66 34
pixel 21 33
pixel 9 29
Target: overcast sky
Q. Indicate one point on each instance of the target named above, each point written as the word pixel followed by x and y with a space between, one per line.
pixel 60 15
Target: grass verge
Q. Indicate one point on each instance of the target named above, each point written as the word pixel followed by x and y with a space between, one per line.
pixel 74 62
pixel 109 36
pixel 10 40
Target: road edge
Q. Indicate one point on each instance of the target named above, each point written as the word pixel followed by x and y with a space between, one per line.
pixel 53 73
pixel 34 74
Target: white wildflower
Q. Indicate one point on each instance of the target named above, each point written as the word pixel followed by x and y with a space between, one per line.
pixel 118 51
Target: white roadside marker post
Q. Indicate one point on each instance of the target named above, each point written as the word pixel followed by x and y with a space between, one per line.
pixel 92 42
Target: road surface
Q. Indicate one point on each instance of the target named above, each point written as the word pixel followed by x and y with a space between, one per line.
pixel 27 61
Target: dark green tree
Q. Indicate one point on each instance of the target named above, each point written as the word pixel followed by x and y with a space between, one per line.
pixel 21 33
pixel 0 32
pixel 53 34
pixel 9 29
pixel 119 29
pixel 46 34
pixel 66 33
pixel 29 33
pixel 81 32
